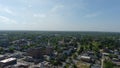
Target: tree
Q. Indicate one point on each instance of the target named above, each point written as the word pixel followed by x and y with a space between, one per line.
pixel 74 66
pixel 108 64
pixel 67 66
pixel 11 49
pixel 95 46
pixel 1 49
pixel 80 50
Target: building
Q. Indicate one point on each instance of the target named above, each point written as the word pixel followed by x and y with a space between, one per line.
pixel 9 61
pixel 4 42
pixel 39 52
pixel 85 58
pixel 116 52
pixel 21 65
pixel 68 51
pixel 95 66
pixel 45 64
pixel 105 54
pixel 2 57
pixel 35 52
pixel 48 50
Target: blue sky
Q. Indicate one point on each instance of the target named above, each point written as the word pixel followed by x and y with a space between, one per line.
pixel 60 15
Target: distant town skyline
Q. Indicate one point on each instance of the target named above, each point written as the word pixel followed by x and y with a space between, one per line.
pixel 60 15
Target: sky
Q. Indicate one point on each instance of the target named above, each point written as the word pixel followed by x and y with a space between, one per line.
pixel 60 15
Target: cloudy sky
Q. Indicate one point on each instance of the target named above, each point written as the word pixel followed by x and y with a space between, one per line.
pixel 60 15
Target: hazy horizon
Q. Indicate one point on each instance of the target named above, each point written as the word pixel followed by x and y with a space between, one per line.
pixel 60 15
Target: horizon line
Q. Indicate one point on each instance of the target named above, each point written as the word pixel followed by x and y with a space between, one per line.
pixel 64 31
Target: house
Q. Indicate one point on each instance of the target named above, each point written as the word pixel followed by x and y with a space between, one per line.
pixel 6 62
pixel 21 65
pixel 68 52
pixel 118 57
pixel 116 52
pixel 85 58
pixel 105 54
pixel 4 42
pixel 92 55
pixel 116 61
pixel 95 66
pixel 2 57
pixel 45 64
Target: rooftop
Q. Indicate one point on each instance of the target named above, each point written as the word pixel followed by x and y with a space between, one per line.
pixel 86 57
pixel 7 60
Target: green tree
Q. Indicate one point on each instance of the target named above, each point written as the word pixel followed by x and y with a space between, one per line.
pixel 108 64
pixel 1 50
pixel 11 49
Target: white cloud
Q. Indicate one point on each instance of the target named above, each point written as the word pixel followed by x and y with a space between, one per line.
pixel 52 12
pixel 57 7
pixel 30 6
pixel 7 20
pixel 7 10
pixel 39 15
pixel 92 15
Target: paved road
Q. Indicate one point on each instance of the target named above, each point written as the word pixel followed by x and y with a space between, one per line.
pixel 102 61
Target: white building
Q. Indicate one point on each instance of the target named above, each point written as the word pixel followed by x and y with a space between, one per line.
pixel 9 61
